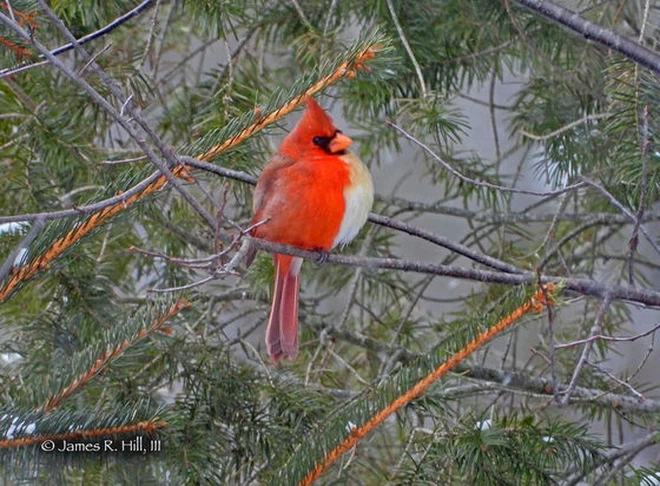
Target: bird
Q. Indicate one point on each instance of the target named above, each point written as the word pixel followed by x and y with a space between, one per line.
pixel 313 194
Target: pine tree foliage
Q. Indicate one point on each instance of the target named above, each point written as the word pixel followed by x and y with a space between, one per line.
pixel 124 316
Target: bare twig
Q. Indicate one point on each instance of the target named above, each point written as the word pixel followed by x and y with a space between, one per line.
pixel 464 178
pixel 152 34
pixel 624 210
pixel 565 128
pixel 605 37
pixel 406 45
pixel 596 337
pixel 331 11
pixel 619 381
pixel 634 238
pixel 586 350
pixel 191 285
pixel 83 40
pixel 301 14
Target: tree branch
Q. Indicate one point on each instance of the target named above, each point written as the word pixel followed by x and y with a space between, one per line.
pixel 83 40
pixel 582 286
pixel 573 21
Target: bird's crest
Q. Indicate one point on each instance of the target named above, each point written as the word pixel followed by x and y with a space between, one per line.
pixel 315 122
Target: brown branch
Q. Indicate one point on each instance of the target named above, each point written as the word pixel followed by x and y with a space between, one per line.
pixel 111 354
pixel 149 427
pixel 474 182
pixel 514 381
pixel 535 304
pixel 345 70
pixel 43 261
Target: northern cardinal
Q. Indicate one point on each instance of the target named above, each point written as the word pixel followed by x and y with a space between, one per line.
pixel 313 194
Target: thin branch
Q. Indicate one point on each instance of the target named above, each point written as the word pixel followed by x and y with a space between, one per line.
pixel 302 15
pixel 188 286
pixel 586 350
pixel 331 11
pixel 573 21
pixel 624 210
pixel 565 128
pixel 582 286
pixel 464 178
pixel 634 238
pixel 406 45
pixel 83 40
pixel 152 34
pixel 619 381
pixel 596 337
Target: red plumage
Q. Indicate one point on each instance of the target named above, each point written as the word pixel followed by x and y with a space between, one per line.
pixel 303 192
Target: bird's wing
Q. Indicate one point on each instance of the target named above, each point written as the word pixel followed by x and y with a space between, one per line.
pixel 267 183
pixel 263 192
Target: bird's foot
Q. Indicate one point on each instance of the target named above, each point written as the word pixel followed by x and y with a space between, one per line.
pixel 322 256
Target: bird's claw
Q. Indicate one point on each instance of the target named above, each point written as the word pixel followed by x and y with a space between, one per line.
pixel 322 257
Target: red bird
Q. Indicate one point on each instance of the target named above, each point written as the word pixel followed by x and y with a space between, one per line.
pixel 315 195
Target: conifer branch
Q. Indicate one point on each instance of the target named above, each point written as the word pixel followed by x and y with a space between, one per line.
pixel 80 230
pixel 511 380
pixel 346 69
pixel 535 304
pixel 111 354
pixel 148 427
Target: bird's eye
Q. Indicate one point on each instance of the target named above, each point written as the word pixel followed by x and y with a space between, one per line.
pixel 322 142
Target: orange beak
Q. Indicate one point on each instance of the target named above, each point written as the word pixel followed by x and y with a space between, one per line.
pixel 339 143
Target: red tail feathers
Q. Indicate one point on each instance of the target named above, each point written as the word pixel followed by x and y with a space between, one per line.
pixel 282 329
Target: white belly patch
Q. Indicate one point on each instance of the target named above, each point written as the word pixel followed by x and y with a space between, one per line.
pixel 359 198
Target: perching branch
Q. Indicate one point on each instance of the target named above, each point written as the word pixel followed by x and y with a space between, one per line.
pixel 582 286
